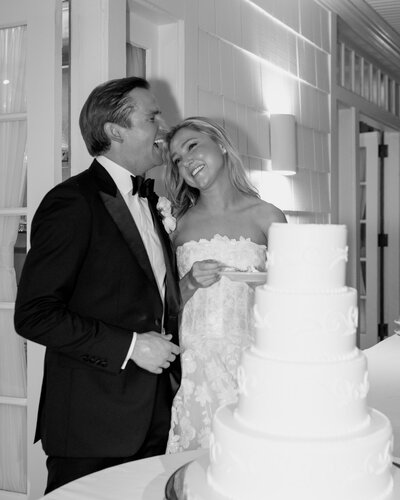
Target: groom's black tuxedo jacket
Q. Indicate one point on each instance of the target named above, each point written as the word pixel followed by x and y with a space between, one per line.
pixel 86 285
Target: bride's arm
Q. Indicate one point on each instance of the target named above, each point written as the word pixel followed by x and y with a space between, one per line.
pixel 203 274
pixel 187 287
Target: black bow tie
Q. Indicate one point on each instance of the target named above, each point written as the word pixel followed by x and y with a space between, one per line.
pixel 144 187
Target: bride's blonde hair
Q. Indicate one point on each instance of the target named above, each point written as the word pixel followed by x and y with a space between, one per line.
pixel 182 195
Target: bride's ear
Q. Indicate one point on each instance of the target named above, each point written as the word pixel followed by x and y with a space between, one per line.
pixel 223 149
pixel 113 132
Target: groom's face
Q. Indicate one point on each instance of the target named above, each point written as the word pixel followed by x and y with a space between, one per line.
pixel 140 149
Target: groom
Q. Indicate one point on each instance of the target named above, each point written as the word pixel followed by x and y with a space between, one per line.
pixel 99 290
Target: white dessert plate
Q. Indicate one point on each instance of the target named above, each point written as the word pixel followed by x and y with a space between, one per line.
pixel 247 277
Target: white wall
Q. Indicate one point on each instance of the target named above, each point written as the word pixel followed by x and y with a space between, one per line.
pixel 244 60
pixel 13 12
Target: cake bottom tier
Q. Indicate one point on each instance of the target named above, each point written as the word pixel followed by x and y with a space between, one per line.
pixel 246 464
pixel 195 486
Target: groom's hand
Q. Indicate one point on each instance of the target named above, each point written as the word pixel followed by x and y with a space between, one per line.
pixel 154 352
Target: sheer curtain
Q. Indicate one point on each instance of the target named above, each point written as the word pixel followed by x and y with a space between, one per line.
pixel 135 61
pixel 12 183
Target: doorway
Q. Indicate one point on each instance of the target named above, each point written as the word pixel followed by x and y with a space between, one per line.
pixel 369 165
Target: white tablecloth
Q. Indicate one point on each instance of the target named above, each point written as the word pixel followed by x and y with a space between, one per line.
pixel 139 480
pixel 146 479
pixel 384 378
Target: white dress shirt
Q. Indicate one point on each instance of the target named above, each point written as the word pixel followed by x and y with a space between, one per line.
pixel 141 214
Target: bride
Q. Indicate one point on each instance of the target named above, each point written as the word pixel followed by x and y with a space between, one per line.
pixel 222 224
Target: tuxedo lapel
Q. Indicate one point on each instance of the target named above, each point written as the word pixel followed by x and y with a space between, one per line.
pixel 118 210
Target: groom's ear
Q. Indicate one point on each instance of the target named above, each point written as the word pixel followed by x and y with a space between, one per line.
pixel 113 132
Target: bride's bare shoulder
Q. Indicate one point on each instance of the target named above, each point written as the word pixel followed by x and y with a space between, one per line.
pixel 265 214
pixel 269 212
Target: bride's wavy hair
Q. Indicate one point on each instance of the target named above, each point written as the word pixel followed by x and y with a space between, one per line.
pixel 183 196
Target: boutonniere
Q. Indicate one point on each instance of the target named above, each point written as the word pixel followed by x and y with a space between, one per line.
pixel 164 208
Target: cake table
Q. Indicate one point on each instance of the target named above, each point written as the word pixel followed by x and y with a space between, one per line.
pixel 141 480
pixel 146 479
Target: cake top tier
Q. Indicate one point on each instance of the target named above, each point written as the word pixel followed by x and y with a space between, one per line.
pixel 307 257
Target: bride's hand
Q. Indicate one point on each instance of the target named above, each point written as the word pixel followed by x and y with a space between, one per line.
pixel 204 273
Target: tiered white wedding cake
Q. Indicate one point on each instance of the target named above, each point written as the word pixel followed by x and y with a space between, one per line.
pixel 302 429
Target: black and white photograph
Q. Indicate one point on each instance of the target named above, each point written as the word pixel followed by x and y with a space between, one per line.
pixel 199 249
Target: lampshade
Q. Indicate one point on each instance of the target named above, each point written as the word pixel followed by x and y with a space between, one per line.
pixel 283 144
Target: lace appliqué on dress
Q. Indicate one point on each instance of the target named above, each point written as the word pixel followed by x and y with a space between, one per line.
pixel 217 324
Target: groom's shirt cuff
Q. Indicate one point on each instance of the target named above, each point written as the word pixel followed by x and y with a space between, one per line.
pixel 132 346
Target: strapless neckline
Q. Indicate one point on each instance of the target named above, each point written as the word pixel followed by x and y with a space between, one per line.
pixel 241 253
pixel 220 238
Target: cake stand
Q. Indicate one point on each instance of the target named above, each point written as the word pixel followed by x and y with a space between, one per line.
pixel 196 472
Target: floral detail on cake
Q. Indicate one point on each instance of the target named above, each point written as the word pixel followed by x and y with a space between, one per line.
pixel 378 463
pixel 215 449
pixel 259 321
pixel 363 388
pixel 270 259
pixel 334 322
pixel 168 220
pixel 242 380
pixel 340 323
pixel 309 256
pixel 347 391
pixel 318 256
pixel 268 320
pixel 238 466
pixel 340 254
pixel 353 317
pixel 248 383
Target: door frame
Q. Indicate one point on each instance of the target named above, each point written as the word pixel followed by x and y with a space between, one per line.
pixel 161 36
pixel 349 113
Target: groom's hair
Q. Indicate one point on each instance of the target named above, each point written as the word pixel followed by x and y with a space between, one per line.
pixel 108 102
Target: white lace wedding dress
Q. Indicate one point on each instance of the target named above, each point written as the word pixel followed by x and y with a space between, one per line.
pixel 217 323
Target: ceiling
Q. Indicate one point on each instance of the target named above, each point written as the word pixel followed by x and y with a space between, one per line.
pixel 382 36
pixel 389 10
pixel 372 28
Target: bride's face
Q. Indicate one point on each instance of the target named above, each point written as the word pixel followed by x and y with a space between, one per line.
pixel 198 158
